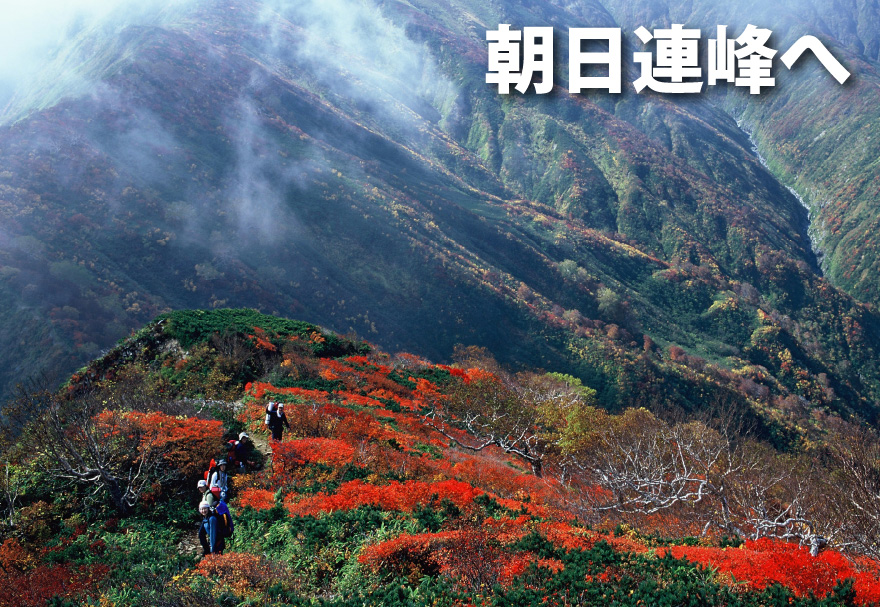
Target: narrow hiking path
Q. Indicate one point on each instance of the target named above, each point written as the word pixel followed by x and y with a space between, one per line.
pixel 189 544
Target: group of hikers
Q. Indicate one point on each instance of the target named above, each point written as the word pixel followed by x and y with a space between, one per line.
pixel 217 525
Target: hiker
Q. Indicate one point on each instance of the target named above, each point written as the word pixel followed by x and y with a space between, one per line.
pixel 243 449
pixel 276 420
pixel 211 533
pixel 219 482
pixel 207 496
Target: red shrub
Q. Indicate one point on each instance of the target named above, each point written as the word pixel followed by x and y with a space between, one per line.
pixel 394 496
pixel 15 558
pixel 260 389
pixel 245 574
pixel 185 442
pixel 764 562
pixel 261 340
pixel 289 456
pixel 328 451
pixel 35 587
pixel 258 499
pixel 363 427
pixel 474 557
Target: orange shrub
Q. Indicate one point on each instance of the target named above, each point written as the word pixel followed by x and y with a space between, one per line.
pixel 474 557
pixel 330 451
pixel 260 390
pixel 14 557
pixel 258 499
pixel 34 588
pixel 364 427
pixel 385 460
pixel 764 562
pixel 245 574
pixel 289 457
pixel 394 496
pixel 186 443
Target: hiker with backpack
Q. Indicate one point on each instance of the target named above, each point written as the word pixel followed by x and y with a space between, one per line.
pixel 276 419
pixel 226 524
pixel 219 481
pixel 238 452
pixel 215 528
pixel 243 450
pixel 207 496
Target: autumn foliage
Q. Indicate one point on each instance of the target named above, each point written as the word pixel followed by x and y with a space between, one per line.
pixel 258 499
pixel 403 497
pixel 402 482
pixel 185 442
pixel 26 583
pixel 471 556
pixel 765 562
pixel 244 574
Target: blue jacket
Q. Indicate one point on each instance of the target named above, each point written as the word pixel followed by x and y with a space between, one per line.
pixel 211 529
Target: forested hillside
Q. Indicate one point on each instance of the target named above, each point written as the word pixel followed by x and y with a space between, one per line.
pixel 360 174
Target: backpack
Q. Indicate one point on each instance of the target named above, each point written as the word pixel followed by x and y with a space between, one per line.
pixel 211 468
pixel 227 527
pixel 231 452
pixel 273 415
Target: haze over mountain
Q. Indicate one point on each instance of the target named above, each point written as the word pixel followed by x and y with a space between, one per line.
pixel 344 162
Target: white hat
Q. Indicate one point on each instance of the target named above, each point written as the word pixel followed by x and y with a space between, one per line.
pixel 204 505
pixel 202 483
pixel 243 435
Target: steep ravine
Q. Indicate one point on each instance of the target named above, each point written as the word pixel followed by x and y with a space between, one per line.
pixel 807 228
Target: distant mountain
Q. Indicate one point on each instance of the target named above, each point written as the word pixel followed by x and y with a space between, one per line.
pixel 817 137
pixel 346 163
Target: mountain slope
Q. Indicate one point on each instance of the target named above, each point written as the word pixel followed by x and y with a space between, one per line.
pixel 360 174
pixel 817 136
pixel 377 496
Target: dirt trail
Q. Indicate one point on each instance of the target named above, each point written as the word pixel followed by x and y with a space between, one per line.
pixel 261 444
pixel 190 542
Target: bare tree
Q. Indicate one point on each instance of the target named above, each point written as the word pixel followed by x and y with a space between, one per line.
pixel 645 466
pixel 853 487
pixel 491 413
pixel 90 441
pixel 12 487
pixel 779 495
pixel 508 411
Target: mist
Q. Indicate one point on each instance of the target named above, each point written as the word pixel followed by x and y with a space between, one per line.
pixel 38 39
pixel 356 51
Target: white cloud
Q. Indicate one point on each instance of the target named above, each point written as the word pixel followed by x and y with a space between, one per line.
pixel 33 32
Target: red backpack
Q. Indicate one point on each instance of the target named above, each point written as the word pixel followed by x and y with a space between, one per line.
pixel 211 468
pixel 230 452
